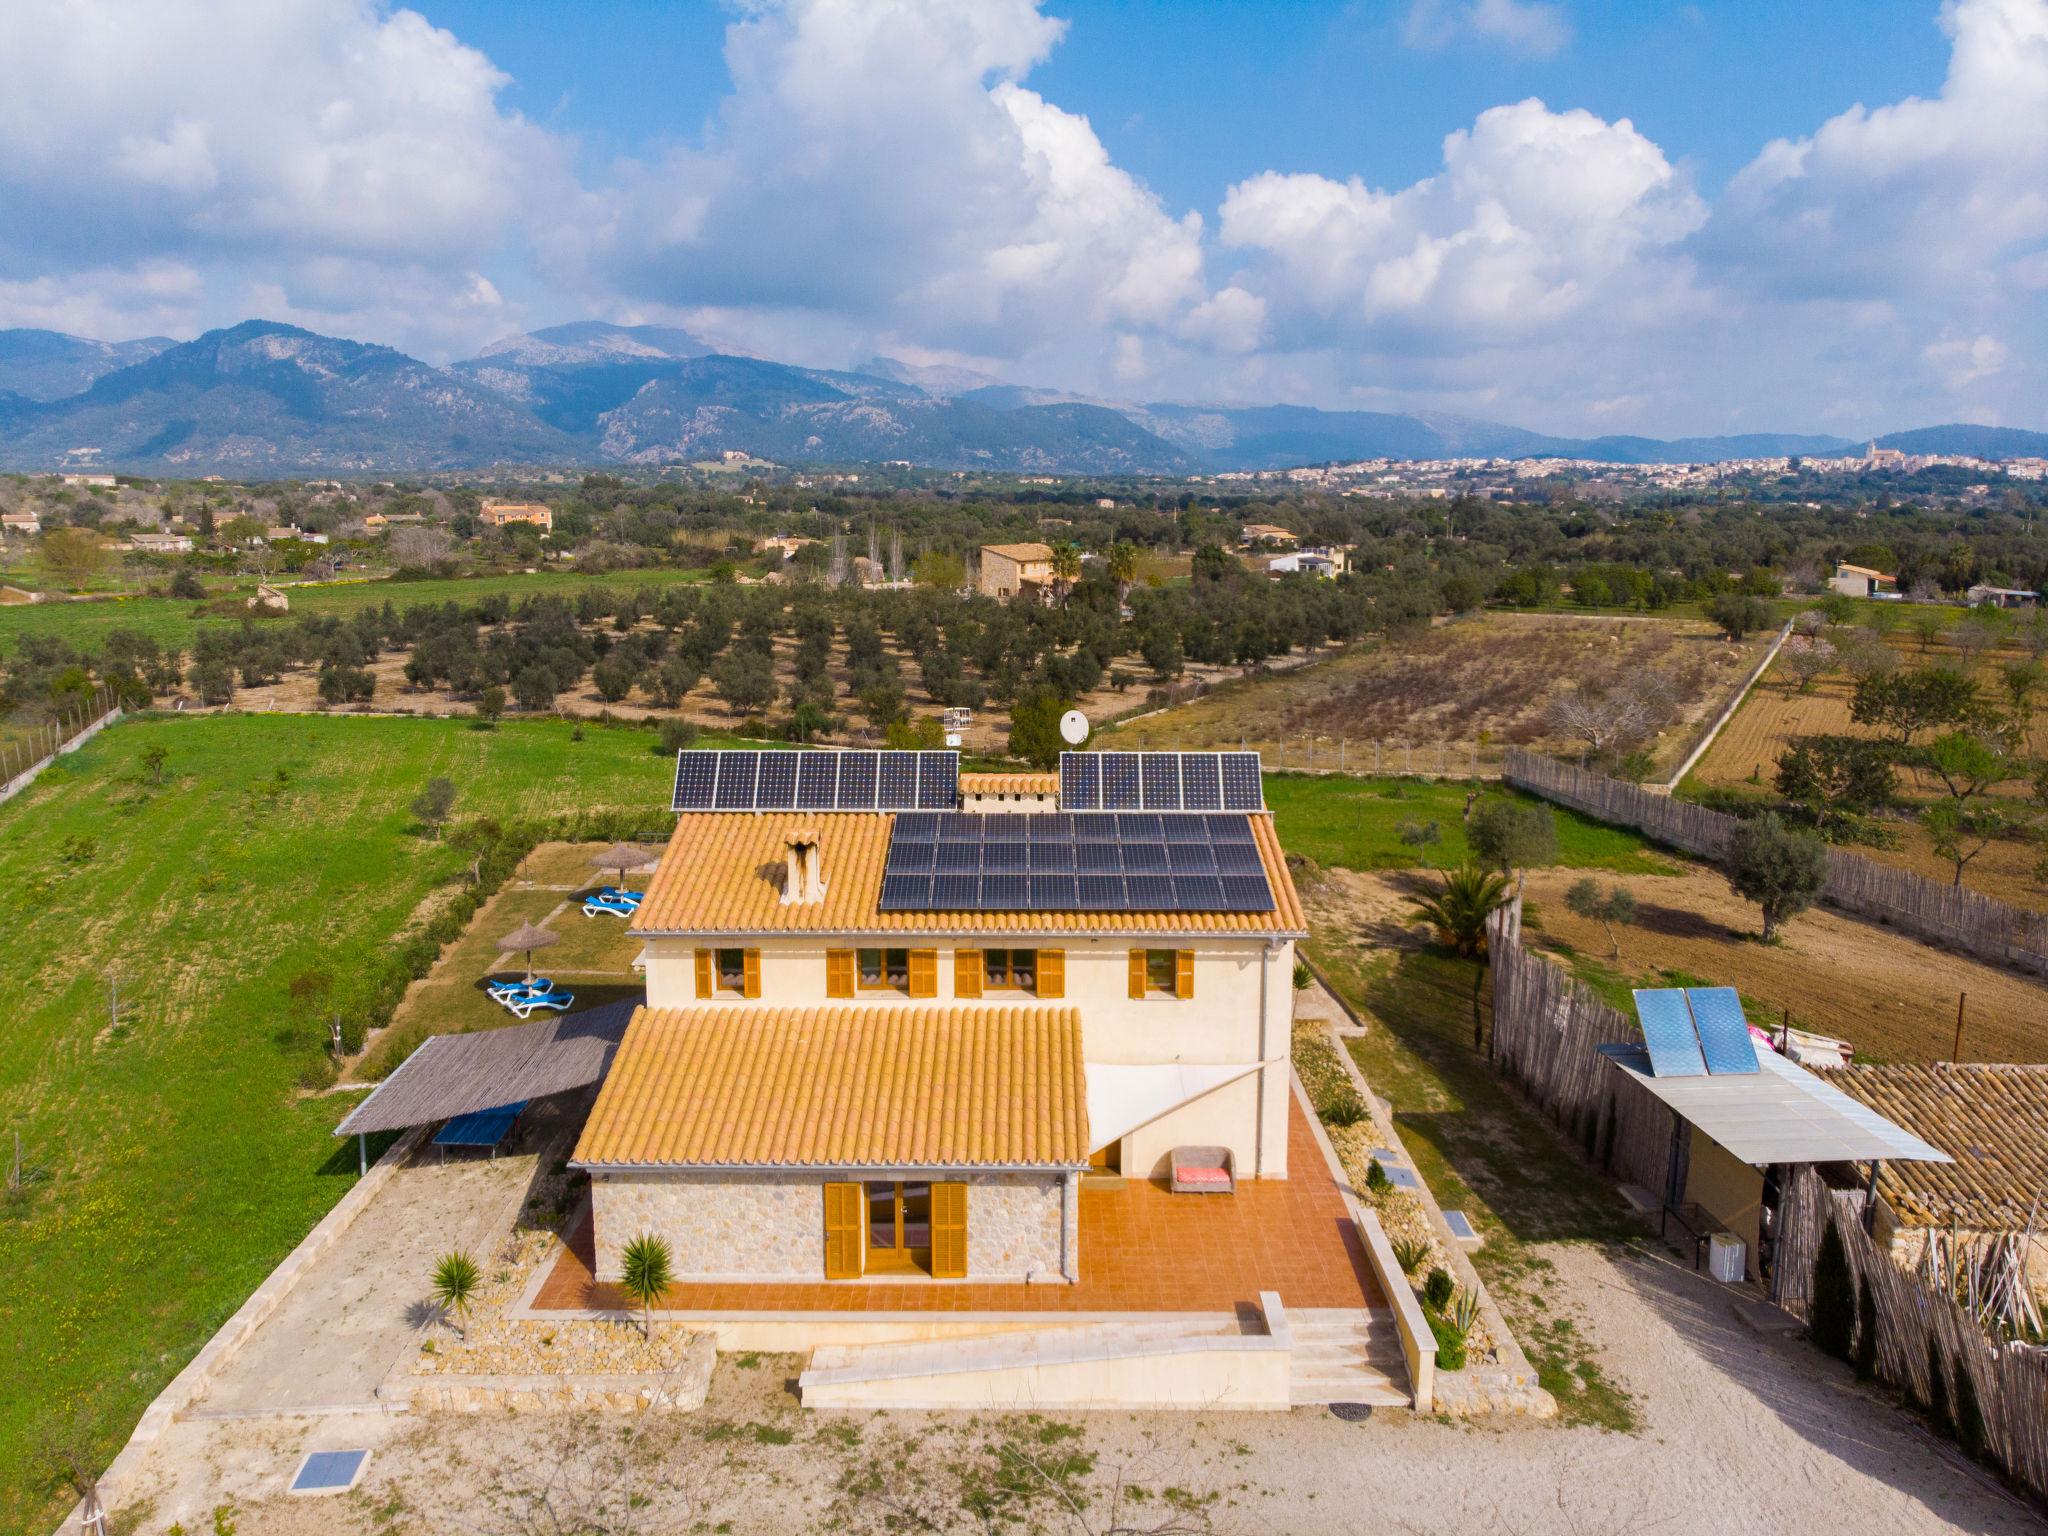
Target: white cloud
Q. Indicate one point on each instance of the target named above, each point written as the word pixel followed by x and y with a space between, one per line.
pixel 1963 360
pixel 1537 29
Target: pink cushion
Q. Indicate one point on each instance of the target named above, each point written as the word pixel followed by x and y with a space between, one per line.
pixel 1186 1175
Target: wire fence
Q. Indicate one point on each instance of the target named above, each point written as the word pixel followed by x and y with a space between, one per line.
pixel 1946 915
pixel 39 742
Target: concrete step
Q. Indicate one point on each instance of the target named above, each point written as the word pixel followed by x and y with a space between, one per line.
pixel 1347 1356
pixel 1376 1392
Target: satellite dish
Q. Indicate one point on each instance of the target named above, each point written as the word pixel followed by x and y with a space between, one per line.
pixel 1074 727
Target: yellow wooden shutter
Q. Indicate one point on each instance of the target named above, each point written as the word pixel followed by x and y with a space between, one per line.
pixel 949 1231
pixel 1137 973
pixel 924 973
pixel 842 1231
pixel 1183 973
pixel 751 987
pixel 967 973
pixel 1052 973
pixel 707 969
pixel 839 973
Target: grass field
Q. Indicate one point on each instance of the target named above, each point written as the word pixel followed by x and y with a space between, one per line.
pixel 172 1160
pixel 174 621
pixel 1481 682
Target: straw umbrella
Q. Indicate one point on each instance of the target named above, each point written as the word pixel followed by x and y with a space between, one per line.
pixel 529 937
pixel 622 857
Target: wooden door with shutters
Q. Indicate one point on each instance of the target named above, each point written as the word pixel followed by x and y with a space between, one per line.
pixel 845 1212
pixel 949 1231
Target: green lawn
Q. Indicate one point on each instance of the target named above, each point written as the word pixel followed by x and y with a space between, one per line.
pixel 173 1161
pixel 174 621
pixel 1348 822
pixel 1483 1152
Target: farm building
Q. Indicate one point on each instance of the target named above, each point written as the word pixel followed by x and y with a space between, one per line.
pixel 1862 581
pixel 1993 1120
pixel 498 514
pixel 1984 595
pixel 1267 535
pixel 1010 569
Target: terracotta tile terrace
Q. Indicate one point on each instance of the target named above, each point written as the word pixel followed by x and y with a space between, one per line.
pixel 1143 1249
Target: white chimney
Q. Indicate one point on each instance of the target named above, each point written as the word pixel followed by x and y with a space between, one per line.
pixel 803 879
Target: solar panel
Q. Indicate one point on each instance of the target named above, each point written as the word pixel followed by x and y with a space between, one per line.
pixel 910 857
pixel 956 893
pixel 1187 829
pixel 1197 893
pixel 915 827
pixel 1052 893
pixel 856 782
pixel 1144 856
pixel 1140 827
pixel 1668 1032
pixel 817 780
pixel 1247 893
pixel 737 774
pixel 1099 893
pixel 1149 893
pixel 897 788
pixel 1238 859
pixel 1120 790
pixel 1052 857
pixel 1201 781
pixel 1241 790
pixel 696 779
pixel 906 893
pixel 938 780
pixel 1080 781
pixel 329 1471
pixel 1005 856
pixel 1159 779
pixel 1229 829
pixel 1006 893
pixel 1191 858
pixel 776 790
pixel 1099 825
pixel 1098 858
pixel 958 856
pixel 1724 1032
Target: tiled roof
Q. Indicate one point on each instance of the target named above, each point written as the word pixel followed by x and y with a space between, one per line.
pixel 1022 553
pixel 1992 1119
pixel 843 1086
pixel 723 872
pixel 1009 783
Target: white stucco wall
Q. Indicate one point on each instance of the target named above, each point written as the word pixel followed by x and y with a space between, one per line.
pixel 1226 1022
pixel 771 1226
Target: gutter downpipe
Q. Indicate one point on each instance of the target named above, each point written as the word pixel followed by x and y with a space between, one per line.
pixel 1265 966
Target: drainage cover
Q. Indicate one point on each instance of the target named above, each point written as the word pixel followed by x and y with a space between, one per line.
pixel 1352 1413
pixel 329 1471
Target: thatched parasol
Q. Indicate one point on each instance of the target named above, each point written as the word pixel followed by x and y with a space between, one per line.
pixel 622 857
pixel 529 937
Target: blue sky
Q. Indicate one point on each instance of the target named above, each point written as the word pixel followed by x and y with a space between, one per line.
pixel 1574 215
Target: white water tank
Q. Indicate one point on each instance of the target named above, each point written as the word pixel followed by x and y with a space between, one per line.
pixel 1725 1255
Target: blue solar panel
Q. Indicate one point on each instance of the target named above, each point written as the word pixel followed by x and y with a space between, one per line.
pixel 1191 858
pixel 1197 893
pixel 1149 893
pixel 1005 856
pixel 909 858
pixel 1120 790
pixel 1100 893
pixel 1229 829
pixel 1667 1031
pixel 817 780
pixel 1052 857
pixel 956 893
pixel 1723 1031
pixel 1052 893
pixel 1159 780
pixel 1095 826
pixel 737 773
pixel 906 893
pixel 897 788
pixel 1080 781
pixel 328 1471
pixel 1005 893
pixel 915 827
pixel 1201 781
pixel 958 856
pixel 1098 858
pixel 1241 790
pixel 938 780
pixel 1134 826
pixel 1247 893
pixel 856 782
pixel 1186 829
pixel 696 780
pixel 1239 859
pixel 777 788
pixel 1144 856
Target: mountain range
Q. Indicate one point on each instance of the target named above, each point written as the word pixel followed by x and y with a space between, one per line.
pixel 263 399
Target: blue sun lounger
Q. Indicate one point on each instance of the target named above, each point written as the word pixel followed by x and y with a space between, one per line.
pixel 482 1128
pixel 614 893
pixel 525 1007
pixel 609 905
pixel 504 989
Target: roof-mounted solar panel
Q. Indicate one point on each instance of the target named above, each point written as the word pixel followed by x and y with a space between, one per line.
pixel 1080 781
pixel 896 790
pixel 1006 893
pixel 1197 893
pixel 906 893
pixel 1159 780
pixel 1241 786
pixel 1201 781
pixel 696 780
pixel 1247 893
pixel 1238 859
pixel 1724 1033
pixel 776 790
pixel 1120 789
pixel 1668 1032
pixel 938 781
pixel 856 782
pixel 817 781
pixel 738 773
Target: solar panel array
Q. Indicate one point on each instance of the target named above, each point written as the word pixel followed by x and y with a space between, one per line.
pixel 1160 781
pixel 1088 862
pixel 1695 1032
pixel 817 781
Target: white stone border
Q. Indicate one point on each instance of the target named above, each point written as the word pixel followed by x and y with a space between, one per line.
pixel 1722 719
pixel 27 776
pixel 189 1384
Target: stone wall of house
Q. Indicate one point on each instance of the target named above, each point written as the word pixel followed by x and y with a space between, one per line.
pixel 766 1226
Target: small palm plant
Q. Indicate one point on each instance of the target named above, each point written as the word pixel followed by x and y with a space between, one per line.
pixel 644 1273
pixel 1459 911
pixel 456 1279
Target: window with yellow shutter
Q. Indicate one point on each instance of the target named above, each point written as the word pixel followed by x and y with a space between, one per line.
pixel 750 974
pixel 1184 973
pixel 1162 973
pixel 949 1231
pixel 924 973
pixel 844 1210
pixel 706 975
pixel 1139 967
pixel 1052 973
pixel 839 973
pixel 967 973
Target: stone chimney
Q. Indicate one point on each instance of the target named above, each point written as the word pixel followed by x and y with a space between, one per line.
pixel 803 879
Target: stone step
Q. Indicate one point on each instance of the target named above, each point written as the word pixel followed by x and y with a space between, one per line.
pixel 1377 1392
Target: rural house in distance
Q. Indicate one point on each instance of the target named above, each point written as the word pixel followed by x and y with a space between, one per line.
pixel 1008 569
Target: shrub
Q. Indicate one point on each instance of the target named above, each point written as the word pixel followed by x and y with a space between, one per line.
pixel 676 736
pixel 1409 1252
pixel 1866 1336
pixel 1348 1109
pixel 1833 1323
pixel 1450 1344
pixel 1376 1178
pixel 1438 1289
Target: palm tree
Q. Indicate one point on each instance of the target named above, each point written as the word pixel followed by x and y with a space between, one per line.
pixel 1123 567
pixel 644 1275
pixel 1459 911
pixel 456 1279
pixel 1066 566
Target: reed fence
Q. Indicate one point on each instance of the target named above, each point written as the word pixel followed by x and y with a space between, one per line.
pixel 1915 1320
pixel 1949 916
pixel 1547 1030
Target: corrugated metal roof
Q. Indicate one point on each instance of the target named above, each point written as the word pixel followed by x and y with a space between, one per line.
pixel 723 873
pixel 459 1074
pixel 1781 1114
pixel 846 1086
pixel 1991 1118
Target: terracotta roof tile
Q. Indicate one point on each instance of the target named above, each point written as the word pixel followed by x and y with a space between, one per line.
pixel 843 1086
pixel 1024 554
pixel 1009 783
pixel 1992 1119
pixel 723 873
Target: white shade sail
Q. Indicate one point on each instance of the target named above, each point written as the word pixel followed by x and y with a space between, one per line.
pixel 1120 1099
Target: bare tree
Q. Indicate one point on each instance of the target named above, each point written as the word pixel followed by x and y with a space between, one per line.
pixel 1807 658
pixel 1614 719
pixel 421 548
